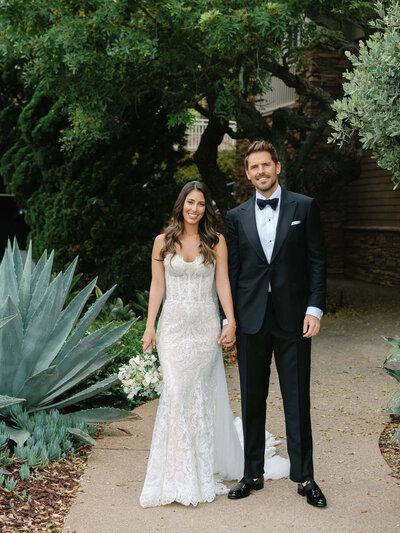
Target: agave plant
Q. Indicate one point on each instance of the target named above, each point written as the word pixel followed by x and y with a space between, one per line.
pixel 45 349
pixel 392 367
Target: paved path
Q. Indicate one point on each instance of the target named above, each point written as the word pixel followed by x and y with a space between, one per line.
pixel 349 392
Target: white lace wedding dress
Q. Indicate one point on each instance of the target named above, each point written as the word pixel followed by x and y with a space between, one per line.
pixel 196 443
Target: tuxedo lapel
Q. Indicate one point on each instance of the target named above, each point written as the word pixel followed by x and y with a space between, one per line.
pixel 248 219
pixel 286 213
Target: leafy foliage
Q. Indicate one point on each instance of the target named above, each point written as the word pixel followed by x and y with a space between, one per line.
pixel 188 171
pixel 108 69
pixel 115 309
pixel 141 302
pixel 106 203
pixel 44 351
pixel 371 105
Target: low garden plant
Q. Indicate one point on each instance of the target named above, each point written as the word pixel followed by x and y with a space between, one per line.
pixel 392 367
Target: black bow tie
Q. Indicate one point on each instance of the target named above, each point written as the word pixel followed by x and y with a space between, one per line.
pixel 262 203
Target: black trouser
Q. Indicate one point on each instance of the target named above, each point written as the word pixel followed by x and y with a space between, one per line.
pixel 292 358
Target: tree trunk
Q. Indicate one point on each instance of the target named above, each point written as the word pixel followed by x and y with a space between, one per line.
pixel 206 161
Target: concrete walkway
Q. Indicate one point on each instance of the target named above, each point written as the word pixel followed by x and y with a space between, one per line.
pixel 349 392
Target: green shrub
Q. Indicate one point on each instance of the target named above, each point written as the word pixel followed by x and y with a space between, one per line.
pixel 187 169
pixel 370 107
pixel 114 309
pixel 107 203
pixel 141 303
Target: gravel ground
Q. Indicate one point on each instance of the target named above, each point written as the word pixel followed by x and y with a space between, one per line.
pixel 349 392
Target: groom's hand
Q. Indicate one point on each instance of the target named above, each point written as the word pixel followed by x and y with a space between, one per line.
pixel 311 326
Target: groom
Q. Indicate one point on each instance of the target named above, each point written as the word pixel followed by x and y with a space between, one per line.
pixel 277 275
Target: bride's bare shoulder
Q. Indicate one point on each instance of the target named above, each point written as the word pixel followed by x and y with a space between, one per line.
pixel 159 243
pixel 160 239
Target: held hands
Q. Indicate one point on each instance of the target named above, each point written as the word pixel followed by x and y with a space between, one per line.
pixel 228 336
pixel 311 326
pixel 149 338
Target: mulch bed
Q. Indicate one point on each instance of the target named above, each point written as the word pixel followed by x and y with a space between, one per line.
pixel 229 355
pixel 391 452
pixel 50 497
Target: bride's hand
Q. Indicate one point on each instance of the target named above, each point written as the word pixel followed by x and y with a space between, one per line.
pixel 228 336
pixel 149 338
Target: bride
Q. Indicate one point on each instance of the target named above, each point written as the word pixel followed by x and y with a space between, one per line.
pixel 196 443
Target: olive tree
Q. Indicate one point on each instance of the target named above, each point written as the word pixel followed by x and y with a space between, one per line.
pixel 370 107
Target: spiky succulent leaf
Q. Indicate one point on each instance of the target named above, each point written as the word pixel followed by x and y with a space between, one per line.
pixel 393 368
pixel 96 358
pixel 6 320
pixel 17 259
pixel 101 414
pixel 45 349
pixel 37 332
pixel 396 437
pixel 7 401
pixel 100 386
pixel 81 328
pixel 82 436
pixel 395 341
pixel 68 276
pixel 8 280
pixel 11 338
pixel 37 270
pixel 393 406
pixel 40 285
pixel 63 327
pixel 35 386
pixel 20 436
pixel 24 290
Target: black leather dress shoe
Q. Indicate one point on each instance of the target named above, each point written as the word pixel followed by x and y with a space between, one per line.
pixel 243 488
pixel 313 492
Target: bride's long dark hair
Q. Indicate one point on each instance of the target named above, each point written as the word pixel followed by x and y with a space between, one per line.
pixel 207 225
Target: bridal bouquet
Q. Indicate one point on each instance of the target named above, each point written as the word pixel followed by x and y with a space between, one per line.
pixel 141 376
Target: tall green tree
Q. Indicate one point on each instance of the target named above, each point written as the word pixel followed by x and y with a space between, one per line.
pixel 370 107
pixel 96 57
pixel 105 202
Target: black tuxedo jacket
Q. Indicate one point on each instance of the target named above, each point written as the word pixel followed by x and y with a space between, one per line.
pixel 297 271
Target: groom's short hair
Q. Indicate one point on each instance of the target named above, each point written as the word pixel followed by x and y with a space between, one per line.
pixel 260 146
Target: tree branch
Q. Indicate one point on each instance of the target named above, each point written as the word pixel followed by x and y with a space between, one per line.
pixel 251 121
pixel 293 80
pixel 202 110
pixel 205 158
pixel 320 121
pixel 293 119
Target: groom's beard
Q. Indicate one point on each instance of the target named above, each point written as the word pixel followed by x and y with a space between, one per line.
pixel 268 186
